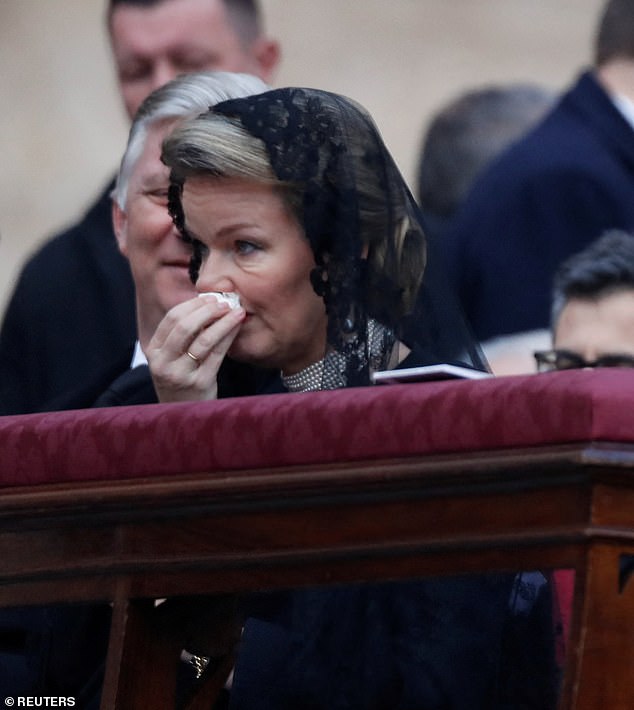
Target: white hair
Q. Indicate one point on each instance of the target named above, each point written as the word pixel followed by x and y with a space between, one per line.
pixel 183 97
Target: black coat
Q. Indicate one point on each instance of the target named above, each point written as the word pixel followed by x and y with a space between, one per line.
pixel 71 317
pixel 68 330
pixel 476 642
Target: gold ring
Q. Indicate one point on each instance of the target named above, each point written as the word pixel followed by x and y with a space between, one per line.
pixel 192 356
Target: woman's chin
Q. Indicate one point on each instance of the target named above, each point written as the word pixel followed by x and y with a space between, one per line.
pixel 241 352
pixel 260 359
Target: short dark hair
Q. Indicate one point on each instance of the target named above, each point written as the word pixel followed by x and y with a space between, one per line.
pixel 245 15
pixel 602 268
pixel 615 33
pixel 468 132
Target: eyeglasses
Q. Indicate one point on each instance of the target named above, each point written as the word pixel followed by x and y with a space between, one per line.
pixel 567 360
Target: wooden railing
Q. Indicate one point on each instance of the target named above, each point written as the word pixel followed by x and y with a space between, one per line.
pixel 128 536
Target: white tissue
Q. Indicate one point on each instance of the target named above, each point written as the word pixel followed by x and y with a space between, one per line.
pixel 229 297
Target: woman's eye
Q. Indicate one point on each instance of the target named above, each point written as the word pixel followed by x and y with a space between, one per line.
pixel 243 247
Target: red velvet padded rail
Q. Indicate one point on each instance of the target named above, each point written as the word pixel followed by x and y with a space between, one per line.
pixel 278 430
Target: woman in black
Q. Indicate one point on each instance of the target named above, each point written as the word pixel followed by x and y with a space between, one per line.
pixel 291 201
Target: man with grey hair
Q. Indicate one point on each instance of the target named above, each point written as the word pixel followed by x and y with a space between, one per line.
pixel 146 235
pixel 71 317
pixel 67 645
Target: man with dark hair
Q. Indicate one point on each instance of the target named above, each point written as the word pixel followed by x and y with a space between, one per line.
pixel 592 325
pixel 71 316
pixel 592 316
pixel 155 40
pixel 547 196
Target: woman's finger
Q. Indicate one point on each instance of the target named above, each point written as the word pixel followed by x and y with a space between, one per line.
pixel 209 339
pixel 181 323
pixel 189 346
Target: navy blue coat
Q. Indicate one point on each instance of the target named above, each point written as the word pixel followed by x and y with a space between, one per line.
pixel 545 198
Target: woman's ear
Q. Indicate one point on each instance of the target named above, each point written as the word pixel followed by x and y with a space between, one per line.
pixel 120 226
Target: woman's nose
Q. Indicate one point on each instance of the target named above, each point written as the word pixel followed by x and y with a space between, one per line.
pixel 214 275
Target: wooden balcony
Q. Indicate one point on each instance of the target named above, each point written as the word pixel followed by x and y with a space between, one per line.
pixel 133 504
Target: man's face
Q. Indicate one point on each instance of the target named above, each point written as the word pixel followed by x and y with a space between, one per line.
pixel 596 328
pixel 152 45
pixel 147 237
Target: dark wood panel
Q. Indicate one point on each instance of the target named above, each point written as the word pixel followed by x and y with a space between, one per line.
pixel 131 542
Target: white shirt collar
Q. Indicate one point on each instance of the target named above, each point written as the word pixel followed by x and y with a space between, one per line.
pixel 138 356
pixel 625 107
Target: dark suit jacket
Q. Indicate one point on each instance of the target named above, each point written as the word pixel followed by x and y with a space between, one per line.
pixel 136 387
pixel 71 315
pixel 132 387
pixel 543 199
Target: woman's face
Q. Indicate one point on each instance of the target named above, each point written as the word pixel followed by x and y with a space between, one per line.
pixel 255 247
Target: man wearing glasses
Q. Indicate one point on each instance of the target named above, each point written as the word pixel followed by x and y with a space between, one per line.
pixel 592 314
pixel 592 323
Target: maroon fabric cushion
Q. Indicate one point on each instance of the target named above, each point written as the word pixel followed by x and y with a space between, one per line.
pixel 320 427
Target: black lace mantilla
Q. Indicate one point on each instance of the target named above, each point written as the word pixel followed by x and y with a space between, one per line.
pixel 363 226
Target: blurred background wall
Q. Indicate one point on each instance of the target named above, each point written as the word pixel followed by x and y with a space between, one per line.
pixel 62 128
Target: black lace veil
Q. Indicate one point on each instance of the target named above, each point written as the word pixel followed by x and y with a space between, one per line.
pixel 378 272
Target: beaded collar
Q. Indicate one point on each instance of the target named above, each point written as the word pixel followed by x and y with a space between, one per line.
pixel 329 373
